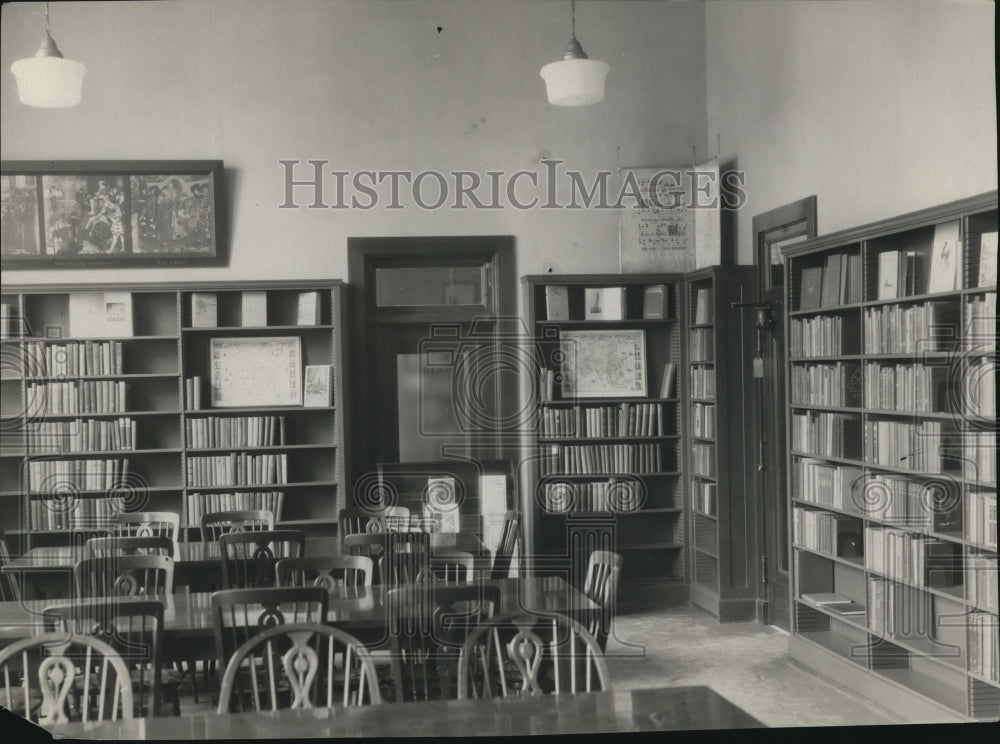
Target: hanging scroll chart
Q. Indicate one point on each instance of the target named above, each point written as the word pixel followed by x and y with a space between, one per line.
pixel 250 372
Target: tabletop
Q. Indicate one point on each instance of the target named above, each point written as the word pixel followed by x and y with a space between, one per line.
pixel 656 709
pixel 188 615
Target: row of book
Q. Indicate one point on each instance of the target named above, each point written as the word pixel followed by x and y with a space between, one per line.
pixel 703 306
pixel 81 435
pixel 836 384
pixel 981 518
pixel 192 393
pixel 912 558
pixel 237 468
pixel 196 505
pixel 47 476
pixel 827 484
pixel 820 336
pixel 826 434
pixel 83 396
pixel 703 459
pixel 594 496
pixel 836 282
pixel 702 348
pixel 621 420
pixel 984 659
pixel 74 359
pixel 235 431
pixel 75 514
pixel 820 530
pixel 981 582
pixel 594 459
pixel 547 384
pixel 702 382
pixel 980 388
pixel 704 497
pixel 205 309
pixel 911 329
pixel 917 388
pixel 979 456
pixel 897 611
pixel 908 445
pixel 703 420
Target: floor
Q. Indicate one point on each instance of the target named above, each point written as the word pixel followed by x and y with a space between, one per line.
pixel 744 662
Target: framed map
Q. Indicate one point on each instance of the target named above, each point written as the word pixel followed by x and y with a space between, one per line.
pixel 248 372
pixel 603 364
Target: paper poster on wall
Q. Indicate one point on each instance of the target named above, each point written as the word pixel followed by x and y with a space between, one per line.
pixel 670 218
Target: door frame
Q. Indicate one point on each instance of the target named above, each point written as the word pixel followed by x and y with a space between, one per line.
pixel 785 225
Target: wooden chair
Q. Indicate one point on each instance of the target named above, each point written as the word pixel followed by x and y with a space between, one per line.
pixel 601 586
pixel 327 571
pixel 509 537
pixel 10 590
pixel 406 558
pixel 452 566
pixel 517 654
pixel 149 524
pixel 216 524
pixel 134 628
pixel 249 559
pixel 371 546
pixel 99 547
pixel 298 666
pixel 428 625
pixel 124 576
pixel 38 675
pixel 359 522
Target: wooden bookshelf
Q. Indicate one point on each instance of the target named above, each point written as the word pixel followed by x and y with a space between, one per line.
pixel 608 470
pixel 718 409
pixel 892 460
pixel 94 424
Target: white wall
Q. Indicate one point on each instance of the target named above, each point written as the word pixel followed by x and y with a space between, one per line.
pixel 878 108
pixel 365 84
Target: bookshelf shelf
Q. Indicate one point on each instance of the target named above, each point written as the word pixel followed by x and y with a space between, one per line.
pixel 926 631
pixel 153 361
pixel 594 450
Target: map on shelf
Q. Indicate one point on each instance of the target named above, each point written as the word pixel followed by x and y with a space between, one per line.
pixel 600 364
pixel 256 372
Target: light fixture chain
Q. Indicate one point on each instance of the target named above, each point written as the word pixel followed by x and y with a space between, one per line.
pixel 572 16
pixel 47 19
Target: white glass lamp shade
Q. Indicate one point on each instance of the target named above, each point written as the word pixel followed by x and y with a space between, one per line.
pixel 49 82
pixel 575 82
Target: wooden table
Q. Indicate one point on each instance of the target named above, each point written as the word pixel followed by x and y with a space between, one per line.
pixel 658 709
pixel 47 571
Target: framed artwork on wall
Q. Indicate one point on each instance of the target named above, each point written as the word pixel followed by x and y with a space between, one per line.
pixel 94 214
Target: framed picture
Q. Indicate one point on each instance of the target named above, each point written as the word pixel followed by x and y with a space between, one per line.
pixel 93 214
pixel 603 364
pixel 253 372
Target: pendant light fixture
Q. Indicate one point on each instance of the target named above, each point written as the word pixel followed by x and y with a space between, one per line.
pixel 48 80
pixel 576 80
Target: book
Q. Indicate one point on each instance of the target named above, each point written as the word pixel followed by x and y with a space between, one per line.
pixel 204 310
pixel 318 388
pixel 854 278
pixel 988 260
pixel 809 296
pixel 556 302
pixel 86 314
pixel 703 307
pixel 118 314
pixel 944 258
pixel 669 375
pixel 654 301
pixel 830 290
pixel 308 309
pixel 7 320
pixel 909 271
pixel 254 308
pixel 888 275
pixel 844 294
pixel 614 303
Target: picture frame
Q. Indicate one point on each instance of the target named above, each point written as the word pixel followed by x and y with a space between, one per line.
pixel 254 372
pixel 604 363
pixel 111 213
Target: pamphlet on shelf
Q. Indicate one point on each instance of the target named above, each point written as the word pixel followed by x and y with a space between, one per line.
pixel 318 387
pixel 204 310
pixel 669 375
pixel 830 292
pixel 308 309
pixel 812 279
pixel 118 314
pixel 254 308
pixel 988 260
pixel 654 301
pixel 556 302
pixel 944 258
pixel 703 307
pixel 888 275
pixel 86 314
